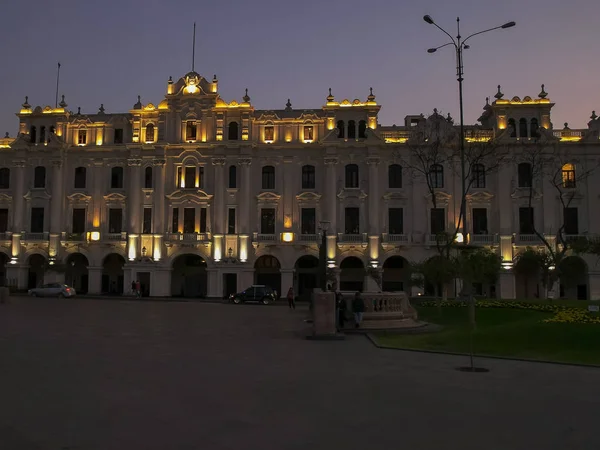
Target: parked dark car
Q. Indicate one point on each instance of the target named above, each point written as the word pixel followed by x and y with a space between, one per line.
pixel 255 293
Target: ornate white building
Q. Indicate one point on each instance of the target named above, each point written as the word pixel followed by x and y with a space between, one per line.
pixel 195 196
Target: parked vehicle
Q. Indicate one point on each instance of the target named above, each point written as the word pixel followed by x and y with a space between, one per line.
pixel 53 290
pixel 255 293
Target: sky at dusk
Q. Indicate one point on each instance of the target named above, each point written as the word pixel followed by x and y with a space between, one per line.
pixel 112 51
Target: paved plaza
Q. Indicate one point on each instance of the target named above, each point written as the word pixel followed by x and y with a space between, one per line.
pixel 127 375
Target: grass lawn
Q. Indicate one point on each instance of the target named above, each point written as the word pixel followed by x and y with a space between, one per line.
pixel 512 333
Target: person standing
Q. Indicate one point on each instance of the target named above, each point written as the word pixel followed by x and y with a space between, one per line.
pixel 290 298
pixel 133 289
pixel 138 289
pixel 358 307
pixel 340 303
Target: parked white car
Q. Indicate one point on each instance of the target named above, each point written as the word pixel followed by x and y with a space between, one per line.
pixel 53 290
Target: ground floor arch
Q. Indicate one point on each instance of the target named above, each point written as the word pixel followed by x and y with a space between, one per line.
pixel 267 271
pixel 113 274
pixel 352 274
pixel 76 272
pixel 189 277
pixel 306 272
pixel 4 260
pixel 396 274
pixel 37 267
pixel 574 279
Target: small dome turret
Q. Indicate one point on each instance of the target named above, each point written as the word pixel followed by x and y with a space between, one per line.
pixel 62 103
pixel 26 105
pixel 330 97
pixel 246 98
pixel 371 97
pixel 138 105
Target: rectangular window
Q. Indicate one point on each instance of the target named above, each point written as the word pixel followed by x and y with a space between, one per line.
pixel 80 177
pixel 115 220
pixel 147 222
pixel 190 131
pixel 3 220
pixel 524 175
pixel 179 176
pixel 37 220
pixel 231 221
pixel 309 221
pixel 82 137
pixel 395 221
pixel 190 177
pixel 352 221
pixel 118 135
pixel 175 221
pixel 480 222
pixel 189 220
pixel 203 220
pixel 571 221
pixel 200 177
pixel 308 133
pixel 269 133
pixel 526 221
pixel 267 221
pixel 78 223
pixel 308 177
pixel 438 220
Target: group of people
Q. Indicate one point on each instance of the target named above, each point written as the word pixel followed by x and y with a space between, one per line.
pixel 136 288
pixel 358 307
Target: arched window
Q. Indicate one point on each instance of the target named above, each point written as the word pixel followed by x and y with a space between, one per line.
pixel 362 129
pixel 522 128
pixel 42 134
pixel 39 177
pixel 80 177
pixel 268 177
pixel 116 178
pixel 190 130
pixel 436 176
pixel 524 175
pixel 149 133
pixel 233 131
pixel 340 128
pixel 351 176
pixel 148 178
pixel 534 128
pixel 32 135
pixel 5 178
pixel 232 177
pixel 351 129
pixel 395 176
pixel 478 176
pixel 512 127
pixel 568 176
pixel 308 177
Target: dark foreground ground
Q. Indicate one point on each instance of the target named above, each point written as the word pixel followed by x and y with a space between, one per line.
pixel 112 375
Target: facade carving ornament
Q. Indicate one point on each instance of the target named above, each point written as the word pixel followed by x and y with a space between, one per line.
pixel 159 162
pixel 373 160
pixel 57 164
pixel 134 162
pixel 331 160
pixel 115 197
pixel 218 161
pixel 308 197
pixel 79 197
pixel 19 163
pixel 245 161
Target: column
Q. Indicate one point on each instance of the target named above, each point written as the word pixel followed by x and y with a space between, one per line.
pixel 134 206
pixel 330 192
pixel 97 195
pixel 220 194
pixel 18 207
pixel 288 183
pixel 594 285
pixel 244 209
pixel 56 208
pixel 159 208
pixel 374 202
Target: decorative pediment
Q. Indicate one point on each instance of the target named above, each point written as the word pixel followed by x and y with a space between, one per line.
pixel 37 194
pixel 441 197
pixel 308 197
pixel 79 197
pixel 352 194
pixel 190 196
pixel 268 197
pixel 268 115
pixel 480 197
pixel 391 196
pixel 5 198
pixel 524 193
pixel 308 116
pixel 571 194
pixel 115 197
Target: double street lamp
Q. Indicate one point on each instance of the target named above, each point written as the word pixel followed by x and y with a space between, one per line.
pixel 460 44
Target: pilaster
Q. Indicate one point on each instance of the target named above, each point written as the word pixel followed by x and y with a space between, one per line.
pixel 331 195
pixel 244 204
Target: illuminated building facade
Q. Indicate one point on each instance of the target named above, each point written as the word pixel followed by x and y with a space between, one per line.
pixel 198 197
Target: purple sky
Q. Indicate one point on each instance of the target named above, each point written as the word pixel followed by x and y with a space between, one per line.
pixel 111 51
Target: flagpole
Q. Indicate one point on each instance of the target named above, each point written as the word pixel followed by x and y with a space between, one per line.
pixel 194 48
pixel 57 79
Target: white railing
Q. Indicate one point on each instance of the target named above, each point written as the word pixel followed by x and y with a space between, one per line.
pixel 35 236
pixel 395 238
pixel 309 237
pixel 484 239
pixel 527 239
pixel 7 235
pixel 434 239
pixel 188 237
pixel 115 236
pixel 263 237
pixel 358 238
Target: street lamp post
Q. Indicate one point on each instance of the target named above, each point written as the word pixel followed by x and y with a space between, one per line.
pixel 460 45
pixel 324 225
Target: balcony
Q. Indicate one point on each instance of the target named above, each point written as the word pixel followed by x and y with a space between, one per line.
pixel 435 239
pixel 484 239
pixel 188 237
pixel 395 239
pixel 527 239
pixel 35 236
pixel 351 238
pixel 115 237
pixel 74 237
pixel 309 238
pixel 265 237
pixel 6 236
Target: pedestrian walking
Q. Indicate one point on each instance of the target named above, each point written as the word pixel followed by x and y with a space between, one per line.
pixel 340 304
pixel 358 307
pixel 290 298
pixel 138 289
pixel 133 288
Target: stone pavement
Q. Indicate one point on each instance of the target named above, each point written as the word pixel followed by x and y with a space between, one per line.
pixel 105 375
